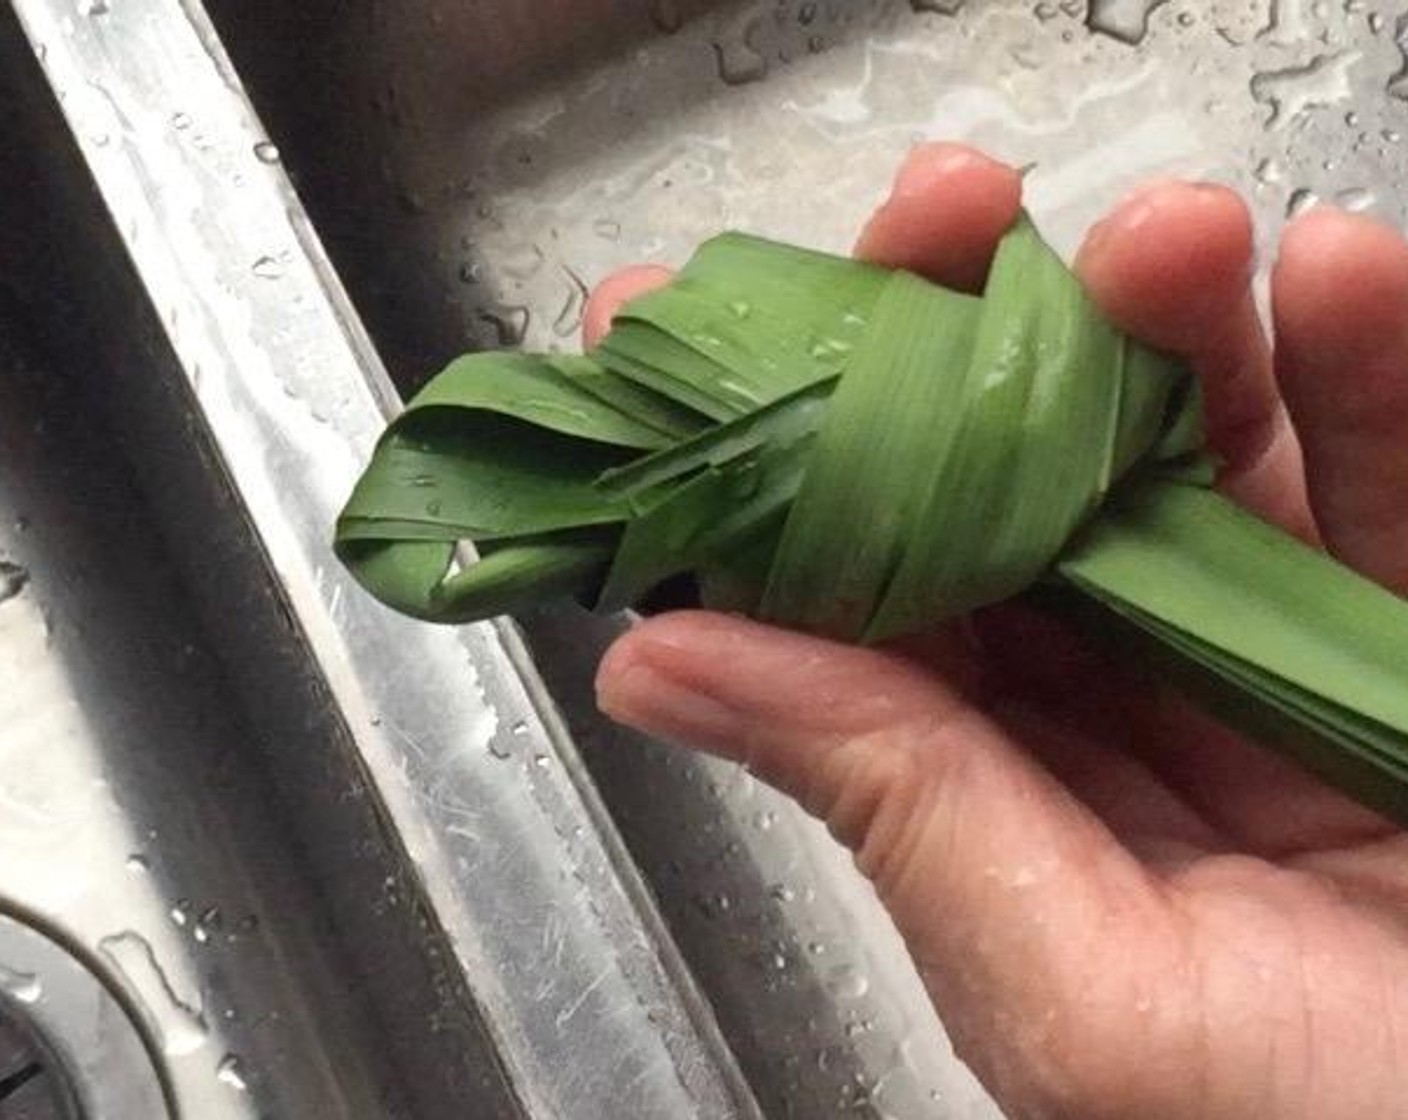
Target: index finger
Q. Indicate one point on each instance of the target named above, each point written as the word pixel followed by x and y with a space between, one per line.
pixel 947 209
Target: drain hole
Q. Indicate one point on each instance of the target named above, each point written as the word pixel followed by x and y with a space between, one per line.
pixel 32 1085
pixel 68 1049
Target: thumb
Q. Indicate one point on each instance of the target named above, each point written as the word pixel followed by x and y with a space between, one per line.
pixel 1001 882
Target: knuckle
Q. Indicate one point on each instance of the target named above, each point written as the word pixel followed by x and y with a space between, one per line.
pixel 877 795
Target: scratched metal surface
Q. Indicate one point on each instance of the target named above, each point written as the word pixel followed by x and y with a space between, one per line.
pixel 333 863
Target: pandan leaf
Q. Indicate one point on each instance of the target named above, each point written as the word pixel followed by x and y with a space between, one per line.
pixel 864 454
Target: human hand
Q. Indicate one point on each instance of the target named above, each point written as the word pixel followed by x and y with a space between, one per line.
pixel 1119 907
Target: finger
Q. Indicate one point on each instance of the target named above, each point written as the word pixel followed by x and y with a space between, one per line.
pixel 1340 292
pixel 1173 266
pixel 998 878
pixel 949 206
pixel 616 291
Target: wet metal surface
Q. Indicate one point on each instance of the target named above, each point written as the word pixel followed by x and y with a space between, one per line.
pixel 339 864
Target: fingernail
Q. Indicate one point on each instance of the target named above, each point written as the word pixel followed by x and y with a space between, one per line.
pixel 649 701
pixel 927 164
pixel 1095 240
pixel 1141 204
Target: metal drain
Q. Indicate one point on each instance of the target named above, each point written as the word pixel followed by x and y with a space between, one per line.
pixel 68 1050
pixel 32 1087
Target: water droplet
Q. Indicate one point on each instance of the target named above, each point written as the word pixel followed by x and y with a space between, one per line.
pixel 181 121
pixel 1355 198
pixel 1027 55
pixel 23 986
pixel 781 892
pixel 138 864
pixel 845 981
pixel 469 273
pixel 433 507
pixel 267 268
pixel 1125 20
pixel 829 347
pixel 181 913
pixel 541 761
pixel 713 905
pixel 608 229
pixel 1022 878
pixel 859 1026
pixel 816 948
pixel 1376 23
pixel 739 61
pixel 266 152
pixel 210 923
pixel 21 524
pixel 13 580
pixel 179 1023
pixel 574 305
pixel 230 1072
pixel 1296 90
pixel 1288 22
pixel 1268 172
pixel 765 820
pixel 509 324
pixel 1398 83
pixel 1300 200
pixel 524 263
pixel 666 15
pixel 96 7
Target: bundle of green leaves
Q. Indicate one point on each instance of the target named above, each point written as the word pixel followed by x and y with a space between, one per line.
pixel 863 454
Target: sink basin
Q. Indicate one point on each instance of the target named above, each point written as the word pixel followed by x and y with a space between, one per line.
pixel 352 863
pixel 137 826
pixel 265 849
pixel 148 834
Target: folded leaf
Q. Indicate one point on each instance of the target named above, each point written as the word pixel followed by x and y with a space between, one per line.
pixel 864 454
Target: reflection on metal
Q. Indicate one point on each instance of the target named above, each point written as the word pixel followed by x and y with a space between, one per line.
pixel 130 790
pixel 539 979
pixel 68 1050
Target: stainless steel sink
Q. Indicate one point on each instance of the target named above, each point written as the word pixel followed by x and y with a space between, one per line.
pixel 286 855
pixel 322 858
pixel 155 882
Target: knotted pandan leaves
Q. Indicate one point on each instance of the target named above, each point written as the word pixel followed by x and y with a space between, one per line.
pixel 835 447
pixel 863 454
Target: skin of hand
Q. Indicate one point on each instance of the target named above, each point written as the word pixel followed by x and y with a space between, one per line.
pixel 1120 908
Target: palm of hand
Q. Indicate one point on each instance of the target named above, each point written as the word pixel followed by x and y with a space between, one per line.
pixel 1120 908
